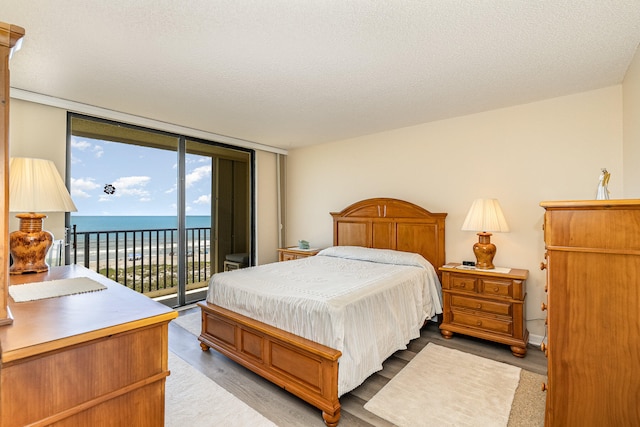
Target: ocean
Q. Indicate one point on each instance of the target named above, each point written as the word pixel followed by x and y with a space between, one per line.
pixel 121 223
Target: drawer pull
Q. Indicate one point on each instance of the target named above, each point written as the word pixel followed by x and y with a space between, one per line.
pixel 478 306
pixel 496 289
pixel 543 266
pixel 543 306
pixel 479 323
pixel 544 387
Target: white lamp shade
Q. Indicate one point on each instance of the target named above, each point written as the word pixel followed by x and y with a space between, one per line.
pixel 36 186
pixel 485 215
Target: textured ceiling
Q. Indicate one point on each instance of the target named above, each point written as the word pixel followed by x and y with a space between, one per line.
pixel 289 73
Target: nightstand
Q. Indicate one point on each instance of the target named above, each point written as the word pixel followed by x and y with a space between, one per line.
pixel 487 304
pixel 294 252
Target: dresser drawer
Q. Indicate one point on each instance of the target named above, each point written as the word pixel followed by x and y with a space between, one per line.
pixel 496 287
pixel 493 307
pixel 462 283
pixel 501 326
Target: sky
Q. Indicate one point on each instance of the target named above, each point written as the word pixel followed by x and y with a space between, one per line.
pixel 144 180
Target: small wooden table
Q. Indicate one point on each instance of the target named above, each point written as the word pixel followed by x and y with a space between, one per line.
pixel 87 359
pixel 487 304
pixel 287 254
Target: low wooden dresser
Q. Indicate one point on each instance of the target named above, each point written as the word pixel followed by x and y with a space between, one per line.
pixel 288 254
pixel 97 358
pixel 487 304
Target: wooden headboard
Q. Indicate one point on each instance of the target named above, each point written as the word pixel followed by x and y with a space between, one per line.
pixel 391 224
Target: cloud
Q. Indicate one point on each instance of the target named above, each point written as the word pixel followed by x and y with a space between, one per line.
pixel 98 151
pixel 197 174
pixel 128 182
pixel 74 159
pixel 125 186
pixel 132 186
pixel 80 145
pixel 81 187
pixel 205 199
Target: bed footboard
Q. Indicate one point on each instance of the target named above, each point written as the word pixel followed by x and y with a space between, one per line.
pixel 302 367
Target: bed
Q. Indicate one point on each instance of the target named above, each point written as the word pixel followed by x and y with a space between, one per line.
pixel 397 242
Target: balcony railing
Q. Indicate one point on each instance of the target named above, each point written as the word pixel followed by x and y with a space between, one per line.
pixel 144 260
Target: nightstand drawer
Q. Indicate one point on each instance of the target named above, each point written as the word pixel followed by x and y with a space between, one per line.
pixel 477 304
pixel 463 283
pixel 286 256
pixel 500 288
pixel 487 324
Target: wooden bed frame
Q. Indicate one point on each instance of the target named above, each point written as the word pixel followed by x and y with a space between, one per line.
pixel 305 368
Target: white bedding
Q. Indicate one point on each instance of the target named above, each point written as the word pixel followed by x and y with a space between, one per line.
pixel 367 303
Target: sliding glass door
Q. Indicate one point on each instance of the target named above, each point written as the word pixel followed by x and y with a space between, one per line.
pixel 157 212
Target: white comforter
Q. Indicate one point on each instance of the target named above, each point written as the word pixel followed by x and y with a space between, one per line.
pixel 367 303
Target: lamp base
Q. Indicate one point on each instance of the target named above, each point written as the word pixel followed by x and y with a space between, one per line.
pixel 29 245
pixel 484 251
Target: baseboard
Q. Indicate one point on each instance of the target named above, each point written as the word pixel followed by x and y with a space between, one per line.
pixel 536 340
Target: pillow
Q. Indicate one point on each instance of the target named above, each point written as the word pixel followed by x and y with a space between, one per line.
pixel 383 256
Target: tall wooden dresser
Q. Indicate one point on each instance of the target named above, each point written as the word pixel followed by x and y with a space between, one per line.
pixel 593 319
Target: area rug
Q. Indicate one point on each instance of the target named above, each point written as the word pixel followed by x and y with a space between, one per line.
pixel 194 400
pixel 445 387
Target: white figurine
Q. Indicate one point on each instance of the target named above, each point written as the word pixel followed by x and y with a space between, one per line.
pixel 603 192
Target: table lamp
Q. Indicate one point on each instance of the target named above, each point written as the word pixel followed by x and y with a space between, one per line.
pixel 485 216
pixel 34 186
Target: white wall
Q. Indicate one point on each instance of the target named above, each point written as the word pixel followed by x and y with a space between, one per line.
pixel 521 155
pixel 37 130
pixel 631 105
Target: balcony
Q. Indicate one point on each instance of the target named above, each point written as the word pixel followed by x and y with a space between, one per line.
pixel 144 260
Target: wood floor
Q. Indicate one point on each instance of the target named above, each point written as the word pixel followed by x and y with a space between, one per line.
pixel 286 410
